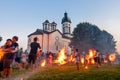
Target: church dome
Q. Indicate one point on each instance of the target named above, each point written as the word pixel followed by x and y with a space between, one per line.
pixel 53 23
pixel 66 18
pixel 46 21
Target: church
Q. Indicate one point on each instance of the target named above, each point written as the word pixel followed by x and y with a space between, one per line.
pixel 51 39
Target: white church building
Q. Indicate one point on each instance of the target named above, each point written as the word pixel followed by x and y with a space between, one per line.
pixel 50 38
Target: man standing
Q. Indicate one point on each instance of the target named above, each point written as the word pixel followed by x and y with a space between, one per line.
pixel 77 56
pixel 15 47
pixel 33 52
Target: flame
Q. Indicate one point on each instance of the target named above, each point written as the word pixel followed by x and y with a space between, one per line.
pixel 1 53
pixel 61 57
pixel 43 63
pixel 92 53
pixel 72 59
pixel 92 61
pixel 105 61
pixel 90 56
pixel 112 57
pixel 82 60
pixel 86 67
pixel 21 78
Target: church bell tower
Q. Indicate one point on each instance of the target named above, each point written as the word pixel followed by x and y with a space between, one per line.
pixel 66 25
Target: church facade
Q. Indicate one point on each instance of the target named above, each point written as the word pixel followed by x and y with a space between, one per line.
pixel 50 38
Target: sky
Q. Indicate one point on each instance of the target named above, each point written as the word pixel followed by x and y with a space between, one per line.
pixel 23 17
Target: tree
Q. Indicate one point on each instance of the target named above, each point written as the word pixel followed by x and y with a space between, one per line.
pixel 0 38
pixel 86 36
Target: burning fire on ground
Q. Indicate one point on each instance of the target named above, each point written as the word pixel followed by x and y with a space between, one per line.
pixel 72 59
pixel 82 60
pixel 85 61
pixel 91 55
pixel 43 63
pixel 86 67
pixel 61 59
pixel 112 57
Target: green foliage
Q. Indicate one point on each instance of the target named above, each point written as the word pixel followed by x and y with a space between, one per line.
pixel 86 36
pixel 0 38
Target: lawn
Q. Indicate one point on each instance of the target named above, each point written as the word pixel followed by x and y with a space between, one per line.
pixel 69 72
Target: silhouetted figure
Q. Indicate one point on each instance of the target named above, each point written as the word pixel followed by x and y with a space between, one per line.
pixel 33 52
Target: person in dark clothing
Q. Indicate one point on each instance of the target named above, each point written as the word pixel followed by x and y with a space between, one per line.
pixel 7 58
pixel 33 52
pixel 97 58
pixel 15 46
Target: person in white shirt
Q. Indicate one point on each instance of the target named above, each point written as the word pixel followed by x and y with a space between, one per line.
pixel 77 58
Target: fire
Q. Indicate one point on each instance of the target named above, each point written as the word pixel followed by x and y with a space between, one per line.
pixel 92 61
pixel 92 53
pixel 90 56
pixel 112 57
pixel 82 60
pixel 86 67
pixel 61 57
pixel 43 63
pixel 72 59
pixel 21 78
pixel 105 61
pixel 1 53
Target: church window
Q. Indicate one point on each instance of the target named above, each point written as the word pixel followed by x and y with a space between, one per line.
pixel 53 28
pixel 69 30
pixel 57 47
pixel 48 27
pixel 45 27
pixel 69 25
pixel 66 30
pixel 63 29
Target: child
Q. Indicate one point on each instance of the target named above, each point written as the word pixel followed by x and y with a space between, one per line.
pixel 23 60
pixel 77 56
pixel 7 58
pixel 50 58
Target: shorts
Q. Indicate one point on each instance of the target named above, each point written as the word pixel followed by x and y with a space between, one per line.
pixel 32 58
pixel 17 59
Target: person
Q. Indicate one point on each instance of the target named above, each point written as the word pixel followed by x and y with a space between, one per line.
pixel 7 58
pixel 97 58
pixel 50 58
pixel 23 60
pixel 33 53
pixel 77 58
pixel 18 58
pixel 16 48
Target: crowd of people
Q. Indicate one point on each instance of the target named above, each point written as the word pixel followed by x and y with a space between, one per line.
pixel 10 48
pixel 16 58
pixel 94 57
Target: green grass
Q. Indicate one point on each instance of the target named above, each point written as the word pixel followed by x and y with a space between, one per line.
pixel 69 72
pixel 17 72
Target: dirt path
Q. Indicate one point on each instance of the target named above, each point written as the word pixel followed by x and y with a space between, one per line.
pixel 23 76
